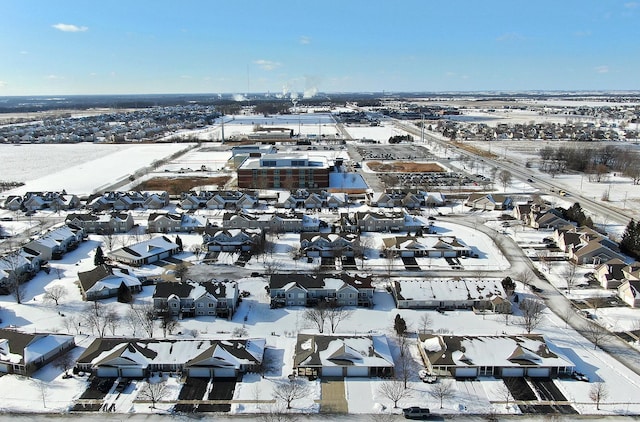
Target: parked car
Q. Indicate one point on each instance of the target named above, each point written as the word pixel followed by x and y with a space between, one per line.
pixel 579 376
pixel 416 412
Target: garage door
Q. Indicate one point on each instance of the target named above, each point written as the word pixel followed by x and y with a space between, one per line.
pixel 199 372
pixel 357 371
pixel 332 371
pixel 165 255
pixel 539 372
pixel 313 254
pixel 224 372
pixel 513 372
pixel 466 372
pixel 450 254
pixel 4 368
pixel 132 373
pixel 107 372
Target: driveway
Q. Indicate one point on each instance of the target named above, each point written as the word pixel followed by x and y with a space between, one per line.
pixel 333 396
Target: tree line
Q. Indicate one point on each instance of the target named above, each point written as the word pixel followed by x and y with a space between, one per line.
pixel 597 162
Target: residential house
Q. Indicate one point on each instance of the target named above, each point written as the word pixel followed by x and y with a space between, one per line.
pixel 481 295
pixel 104 281
pixel 156 200
pixel 493 356
pixel 343 356
pixel 225 200
pixel 327 245
pixel 199 358
pixel 391 221
pixel 114 222
pixel 24 353
pixel 629 292
pixel 188 299
pixel 432 246
pixel 303 199
pixel 172 222
pixel 145 252
pixel 230 240
pixel 489 201
pixel 610 274
pixel 33 201
pixel 21 265
pixel 310 290
pixel 290 222
pixel 13 203
pixel 56 242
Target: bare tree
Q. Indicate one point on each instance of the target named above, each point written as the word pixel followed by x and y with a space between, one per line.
pixel 394 390
pixel 15 277
pixel 316 316
pixel 142 316
pixel 595 333
pixel 98 318
pixel 337 314
pixel 180 271
pixel 425 323
pixel 532 313
pixel 441 391
pixel 64 363
pixel 405 364
pixel 291 390
pixel 154 392
pixel 109 238
pixel 278 413
pixel 55 293
pixel 197 251
pixel 504 177
pixel 570 275
pixel 72 323
pixel 167 322
pixel 112 320
pixel 526 277
pixel 43 389
pixel 502 390
pixel 598 393
pixel 17 288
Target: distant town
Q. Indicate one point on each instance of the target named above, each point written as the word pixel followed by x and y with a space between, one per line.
pixel 413 255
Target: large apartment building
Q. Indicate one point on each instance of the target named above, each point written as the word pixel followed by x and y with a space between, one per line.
pixel 287 171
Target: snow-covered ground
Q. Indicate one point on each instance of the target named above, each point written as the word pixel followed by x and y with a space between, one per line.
pixel 279 326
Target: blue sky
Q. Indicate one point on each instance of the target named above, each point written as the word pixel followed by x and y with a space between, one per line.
pixel 52 47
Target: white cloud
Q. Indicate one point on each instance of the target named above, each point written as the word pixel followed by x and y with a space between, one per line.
pixel 53 77
pixel 65 27
pixel 267 64
pixel 305 40
pixel 632 5
pixel 3 84
pixel 602 69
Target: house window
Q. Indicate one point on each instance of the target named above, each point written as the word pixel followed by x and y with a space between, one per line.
pixel 301 295
pixel 200 305
pixel 174 305
pixel 211 305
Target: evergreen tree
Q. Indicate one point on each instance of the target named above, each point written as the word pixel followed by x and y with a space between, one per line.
pixel 400 325
pixel 179 242
pixel 124 294
pixel 630 243
pixel 98 258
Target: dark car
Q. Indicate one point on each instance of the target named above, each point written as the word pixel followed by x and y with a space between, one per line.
pixel 416 412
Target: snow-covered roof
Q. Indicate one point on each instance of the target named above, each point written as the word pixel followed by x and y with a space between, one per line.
pixel 319 350
pixel 454 290
pixel 146 352
pixel 496 351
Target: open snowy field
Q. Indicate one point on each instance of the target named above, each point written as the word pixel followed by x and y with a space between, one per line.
pixel 79 169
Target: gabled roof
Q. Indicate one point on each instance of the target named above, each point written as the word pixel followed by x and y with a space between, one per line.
pixel 498 351
pixel 335 350
pixel 22 348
